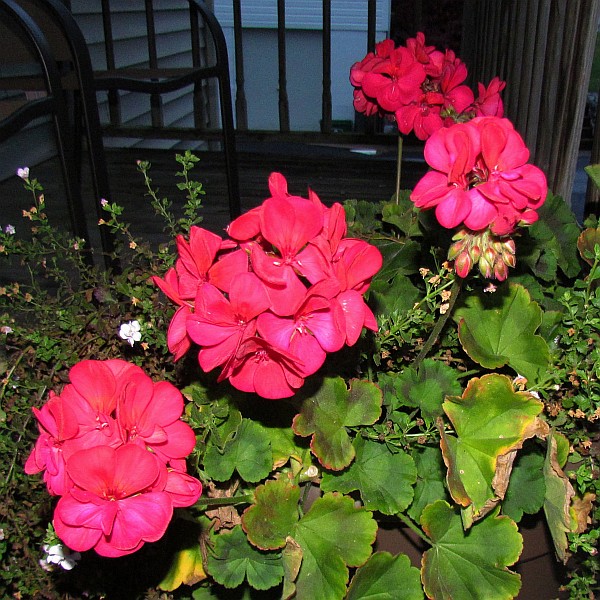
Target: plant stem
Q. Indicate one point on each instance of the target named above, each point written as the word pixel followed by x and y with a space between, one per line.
pixel 206 502
pixel 433 336
pixel 398 168
pixel 411 525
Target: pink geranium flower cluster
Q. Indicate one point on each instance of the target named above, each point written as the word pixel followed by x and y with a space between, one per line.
pixel 269 303
pixel 113 447
pixel 420 87
pixel 480 178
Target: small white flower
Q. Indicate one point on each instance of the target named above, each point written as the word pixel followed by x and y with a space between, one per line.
pixel 130 332
pixel 6 329
pixel 23 172
pixel 104 202
pixel 56 556
pixel 10 230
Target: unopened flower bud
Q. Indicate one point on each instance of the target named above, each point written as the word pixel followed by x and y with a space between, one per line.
pixel 500 270
pixel 455 250
pixel 475 253
pixel 463 264
pixel 509 259
pixel 485 268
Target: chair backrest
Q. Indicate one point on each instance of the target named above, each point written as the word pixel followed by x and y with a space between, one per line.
pixel 25 55
pixel 156 76
pixel 35 47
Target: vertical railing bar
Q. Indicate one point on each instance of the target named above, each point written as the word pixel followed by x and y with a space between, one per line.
pixel 197 96
pixel 241 109
pixel 284 113
pixel 114 106
pixel 155 99
pixel 326 107
pixel 371 24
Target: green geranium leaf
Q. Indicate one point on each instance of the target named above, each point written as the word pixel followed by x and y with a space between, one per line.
pixel 469 565
pixel 554 235
pixel 233 559
pixel 388 298
pixel 430 480
pixel 403 216
pixel 333 535
pixel 491 420
pixel 399 258
pixel 427 387
pixel 384 479
pixel 593 172
pixel 499 330
pixel 328 410
pixel 270 520
pixel 386 577
pixel 249 452
pixel 557 503
pixel 527 489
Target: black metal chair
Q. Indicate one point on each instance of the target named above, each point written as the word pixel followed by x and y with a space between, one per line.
pixel 29 56
pixel 156 80
pixel 70 51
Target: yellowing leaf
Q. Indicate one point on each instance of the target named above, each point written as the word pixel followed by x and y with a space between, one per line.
pixel 491 421
pixel 186 569
pixel 559 493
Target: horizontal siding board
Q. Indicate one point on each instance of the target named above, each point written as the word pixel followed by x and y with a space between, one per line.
pixel 349 15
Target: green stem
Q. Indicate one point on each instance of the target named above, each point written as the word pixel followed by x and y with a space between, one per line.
pixel 398 168
pixel 206 502
pixel 411 525
pixel 433 336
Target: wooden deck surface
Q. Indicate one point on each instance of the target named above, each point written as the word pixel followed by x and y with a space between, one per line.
pixel 334 173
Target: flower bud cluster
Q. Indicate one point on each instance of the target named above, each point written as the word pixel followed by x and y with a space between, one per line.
pixel 492 254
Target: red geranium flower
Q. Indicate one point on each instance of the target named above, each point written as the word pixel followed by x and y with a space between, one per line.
pixel 220 325
pixel 113 507
pixel 480 177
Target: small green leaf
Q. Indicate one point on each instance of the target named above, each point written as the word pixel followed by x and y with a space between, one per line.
pixel 554 236
pixel 269 521
pixel 333 535
pixel 386 577
pixel 249 452
pixel 403 216
pixel 526 490
pixel 499 330
pixel 430 480
pixel 490 420
pixel 399 258
pixel 384 479
pixel 593 172
pixel 427 388
pixel 328 410
pixel 559 493
pixel 469 565
pixel 234 559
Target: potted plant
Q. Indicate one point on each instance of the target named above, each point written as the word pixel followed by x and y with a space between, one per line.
pixel 344 369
